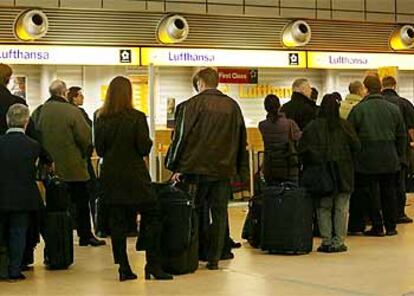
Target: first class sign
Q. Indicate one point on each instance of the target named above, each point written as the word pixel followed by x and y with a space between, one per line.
pixel 222 58
pixel 349 60
pixel 238 76
pixel 68 55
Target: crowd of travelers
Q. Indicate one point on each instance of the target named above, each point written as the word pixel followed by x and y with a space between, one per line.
pixel 367 136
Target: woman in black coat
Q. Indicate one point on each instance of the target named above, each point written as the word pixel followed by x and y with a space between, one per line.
pixel 122 140
pixel 330 138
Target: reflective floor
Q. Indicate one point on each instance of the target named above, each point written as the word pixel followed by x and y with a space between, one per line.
pixel 372 266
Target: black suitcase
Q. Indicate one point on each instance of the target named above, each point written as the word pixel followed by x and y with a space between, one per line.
pixel 59 240
pixel 57 195
pixel 253 222
pixel 179 240
pixel 286 220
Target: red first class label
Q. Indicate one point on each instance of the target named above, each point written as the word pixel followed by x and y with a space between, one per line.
pixel 239 76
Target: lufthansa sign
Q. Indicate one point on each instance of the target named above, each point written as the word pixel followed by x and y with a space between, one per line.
pixel 68 55
pixel 222 57
pixel 348 60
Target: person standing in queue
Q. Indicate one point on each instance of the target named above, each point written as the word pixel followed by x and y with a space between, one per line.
pixel 122 140
pixel 280 136
pixel 6 97
pixel 301 108
pixel 19 194
pixel 332 138
pixel 76 98
pixel 207 149
pixel 381 130
pixel 389 87
pixel 65 134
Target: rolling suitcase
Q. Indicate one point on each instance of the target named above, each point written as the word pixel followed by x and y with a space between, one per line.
pixel 59 240
pixel 286 220
pixel 179 240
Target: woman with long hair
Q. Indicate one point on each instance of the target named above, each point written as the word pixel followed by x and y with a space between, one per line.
pixel 279 136
pixel 331 139
pixel 122 140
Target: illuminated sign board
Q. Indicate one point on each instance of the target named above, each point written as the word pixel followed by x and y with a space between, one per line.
pixel 222 57
pixel 68 55
pixel 238 75
pixel 347 60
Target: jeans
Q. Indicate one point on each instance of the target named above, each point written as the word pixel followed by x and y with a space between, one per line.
pixel 13 228
pixel 337 206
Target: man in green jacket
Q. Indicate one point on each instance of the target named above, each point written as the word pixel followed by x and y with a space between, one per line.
pixel 65 134
pixel 383 137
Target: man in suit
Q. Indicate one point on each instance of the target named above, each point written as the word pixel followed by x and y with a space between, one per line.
pixel 19 194
pixel 65 134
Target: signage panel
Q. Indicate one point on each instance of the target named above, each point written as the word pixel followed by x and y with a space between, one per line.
pixel 68 55
pixel 238 76
pixel 223 57
pixel 348 60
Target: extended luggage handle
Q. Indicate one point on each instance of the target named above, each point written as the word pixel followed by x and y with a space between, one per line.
pixel 283 187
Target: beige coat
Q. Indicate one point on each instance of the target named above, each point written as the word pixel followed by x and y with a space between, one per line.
pixel 65 134
pixel 346 106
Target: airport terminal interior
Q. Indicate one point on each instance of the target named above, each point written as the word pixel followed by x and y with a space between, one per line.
pixel 257 48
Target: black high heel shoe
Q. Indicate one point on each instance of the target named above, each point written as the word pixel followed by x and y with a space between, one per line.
pixel 127 275
pixel 156 272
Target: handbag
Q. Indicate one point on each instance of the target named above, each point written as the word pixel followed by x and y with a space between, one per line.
pixel 321 178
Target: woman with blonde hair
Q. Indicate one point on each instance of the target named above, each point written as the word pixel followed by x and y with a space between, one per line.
pixel 122 140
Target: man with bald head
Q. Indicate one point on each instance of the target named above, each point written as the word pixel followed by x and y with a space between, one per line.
pixel 65 134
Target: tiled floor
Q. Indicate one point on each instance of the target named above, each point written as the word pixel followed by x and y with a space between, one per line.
pixel 373 266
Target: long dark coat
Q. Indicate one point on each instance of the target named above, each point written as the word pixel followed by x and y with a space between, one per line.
pixel 6 100
pixel 122 140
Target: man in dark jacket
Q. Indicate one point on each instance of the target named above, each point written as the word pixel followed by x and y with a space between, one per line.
pixel 208 148
pixel 6 98
pixel 300 108
pixel 75 97
pixel 19 194
pixel 383 137
pixel 389 86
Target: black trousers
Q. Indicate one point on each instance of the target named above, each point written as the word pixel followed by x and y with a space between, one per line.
pixel 401 192
pixel 80 197
pixel 381 190
pixel 211 195
pixel 359 204
pixel 119 220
